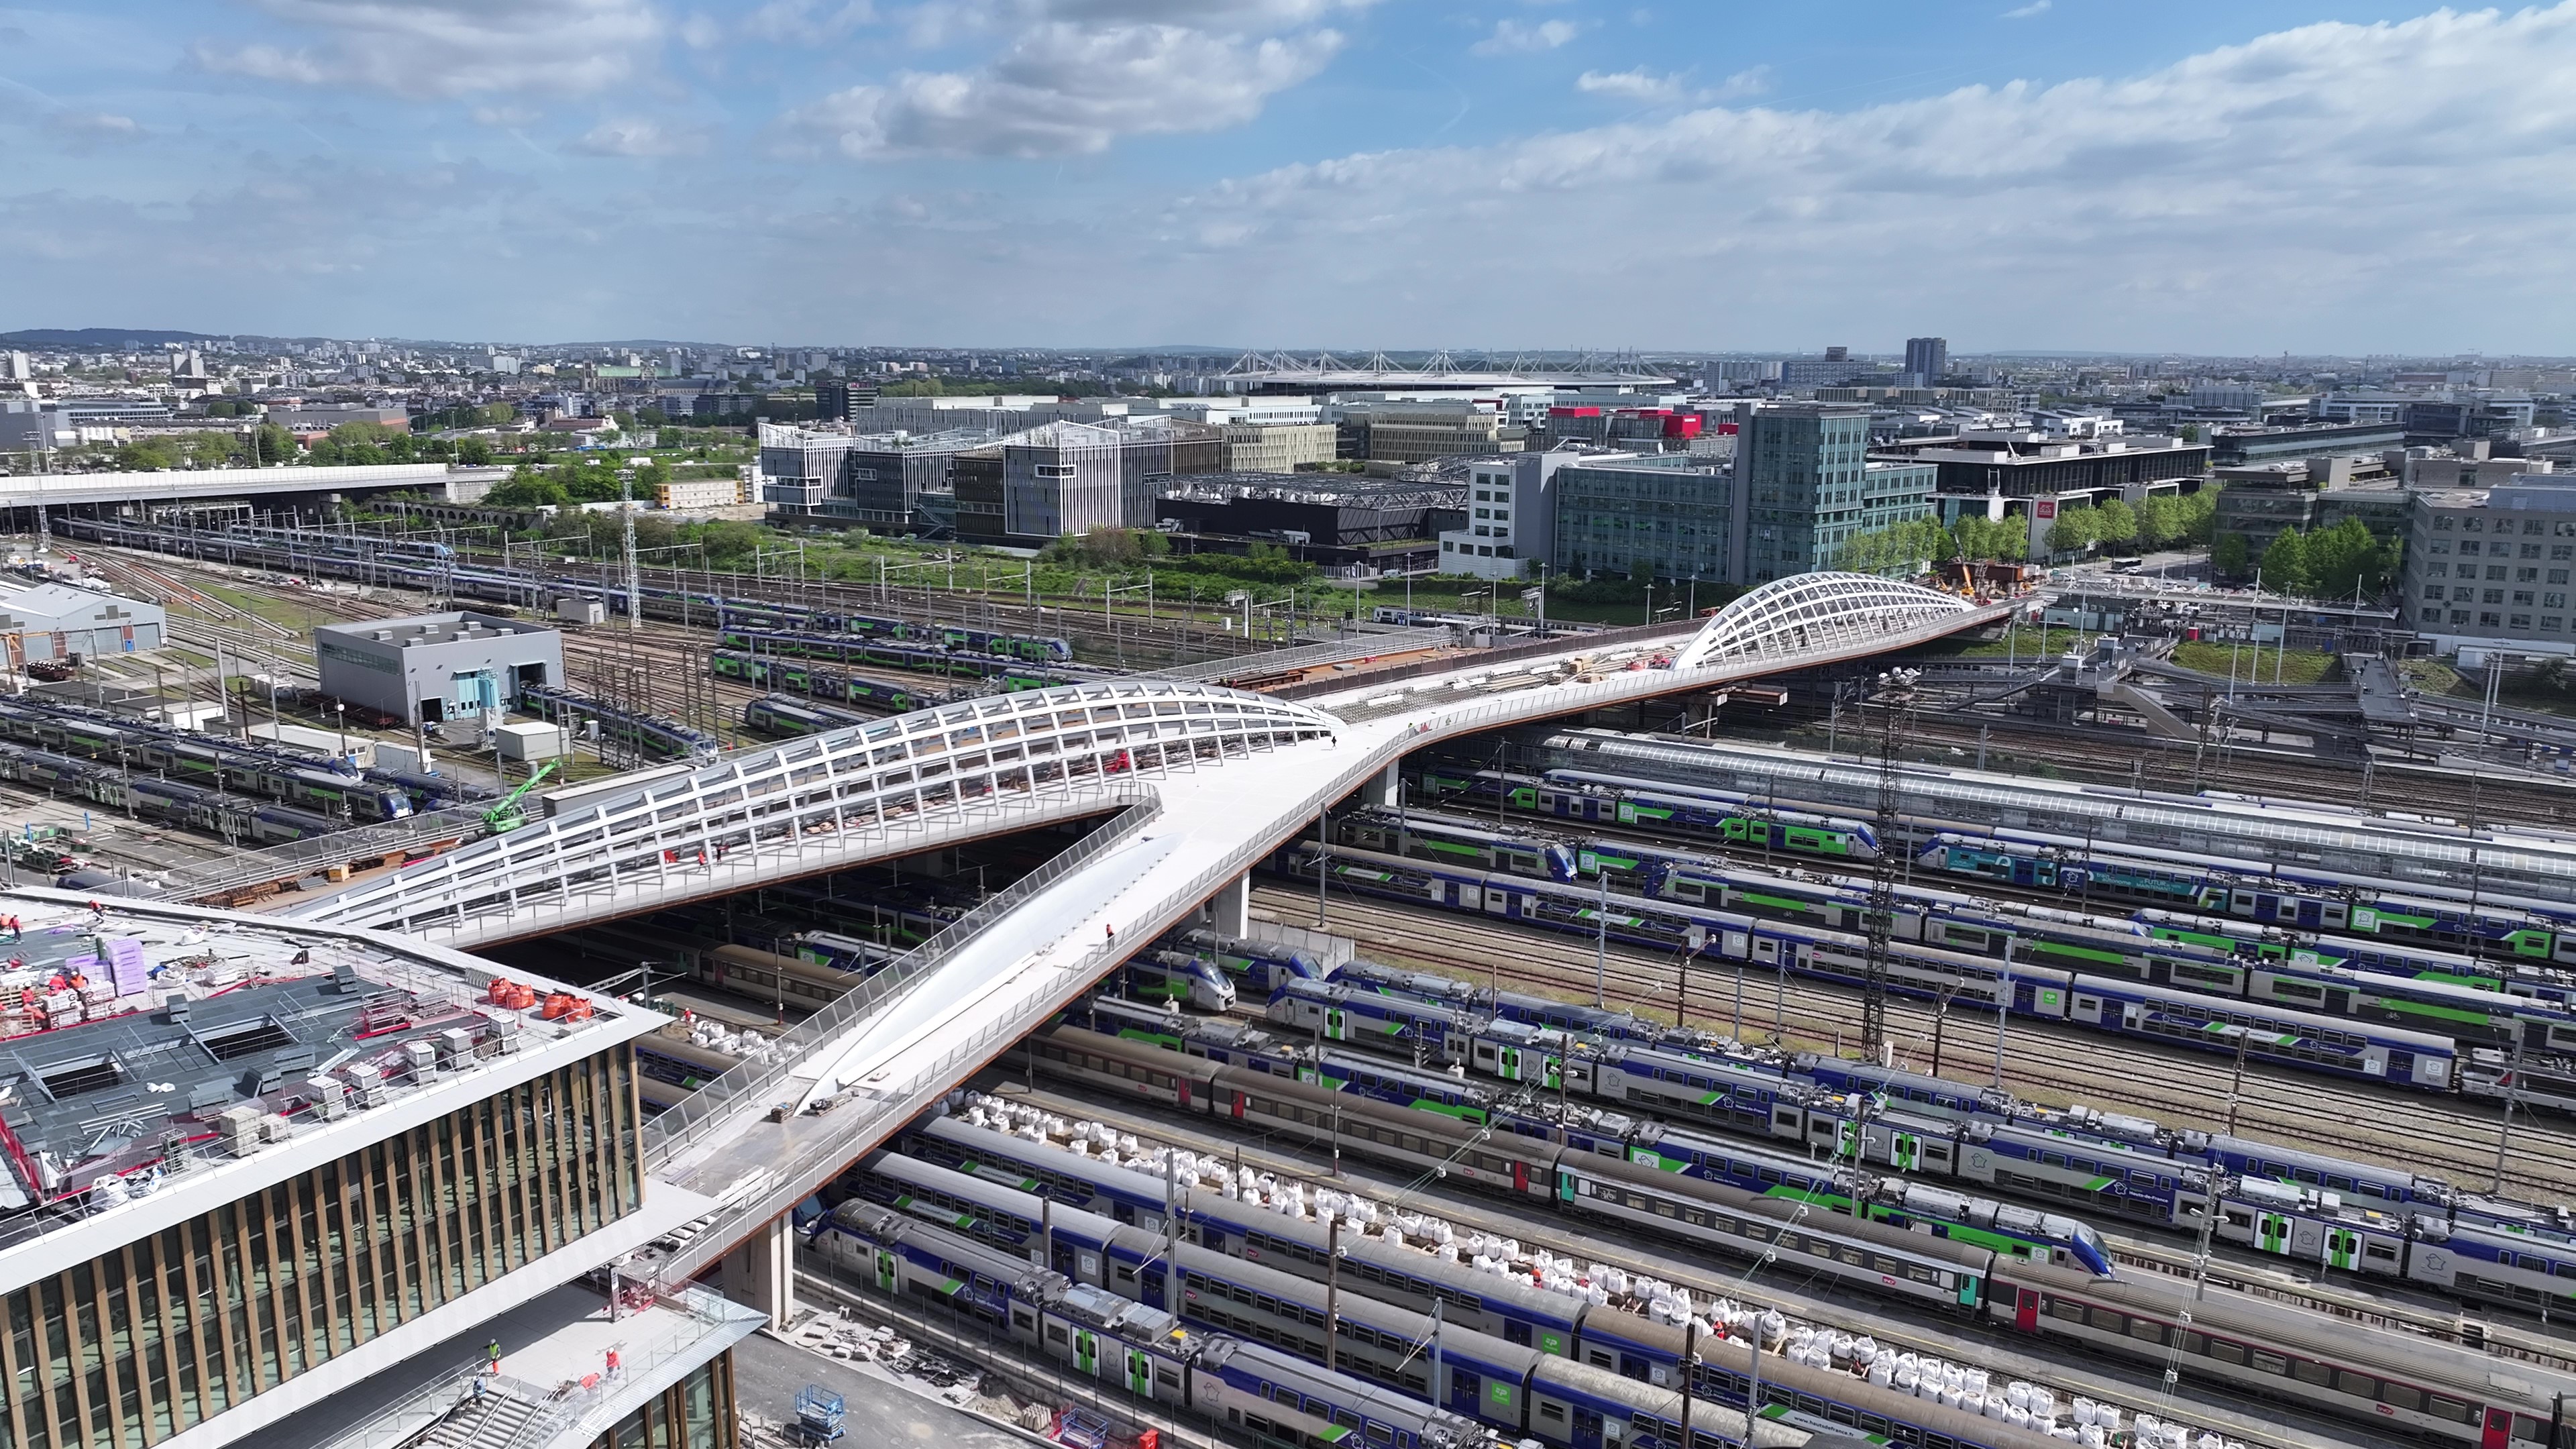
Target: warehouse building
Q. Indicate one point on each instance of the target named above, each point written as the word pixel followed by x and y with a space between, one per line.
pixel 56 621
pixel 433 667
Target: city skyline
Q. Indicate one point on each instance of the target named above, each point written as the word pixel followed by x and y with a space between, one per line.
pixel 2327 179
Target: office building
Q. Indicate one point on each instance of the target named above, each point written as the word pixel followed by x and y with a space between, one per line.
pixel 2493 566
pixel 1808 486
pixel 265 1186
pixel 2260 444
pixel 801 467
pixel 834 398
pixel 1352 526
pixel 1927 360
pixel 1279 447
pixel 1394 431
pixel 433 667
pixel 1665 512
pixel 1063 478
pixel 1511 517
pixel 55 621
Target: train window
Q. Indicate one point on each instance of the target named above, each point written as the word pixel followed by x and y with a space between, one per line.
pixel 1552 1413
pixel 2270 1363
pixel 2066 1308
pixel 2307 1372
pixel 2110 1320
pixel 2360 1386
pixel 2226 1352
pixel 2146 1330
pixel 2451 1409
pixel 1056 1334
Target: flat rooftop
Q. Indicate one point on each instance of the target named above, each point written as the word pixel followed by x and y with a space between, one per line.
pixel 418 629
pixel 143 1044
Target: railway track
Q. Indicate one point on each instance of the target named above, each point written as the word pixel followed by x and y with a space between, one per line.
pixel 2045 1062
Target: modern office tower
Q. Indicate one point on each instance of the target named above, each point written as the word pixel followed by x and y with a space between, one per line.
pixel 1927 358
pixel 1802 466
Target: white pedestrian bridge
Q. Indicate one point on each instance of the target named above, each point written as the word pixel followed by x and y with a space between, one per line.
pixel 1201 783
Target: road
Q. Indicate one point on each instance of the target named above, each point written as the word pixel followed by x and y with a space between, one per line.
pixel 767 1372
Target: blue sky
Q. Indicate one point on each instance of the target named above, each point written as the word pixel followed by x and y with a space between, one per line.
pixel 1298 173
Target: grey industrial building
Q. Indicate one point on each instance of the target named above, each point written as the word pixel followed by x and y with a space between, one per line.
pixel 55 621
pixel 432 667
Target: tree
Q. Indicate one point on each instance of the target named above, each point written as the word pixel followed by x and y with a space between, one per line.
pixel 2075 530
pixel 924 387
pixel 2115 522
pixel 2159 520
pixel 728 541
pixel 2232 557
pixel 2285 564
pixel 2190 432
pixel 473 452
pixel 273 444
pixel 524 490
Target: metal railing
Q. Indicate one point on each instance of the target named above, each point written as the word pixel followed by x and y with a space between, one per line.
pixel 1487 658
pixel 557 1410
pixel 678 1127
pixel 1307 656
pixel 303 857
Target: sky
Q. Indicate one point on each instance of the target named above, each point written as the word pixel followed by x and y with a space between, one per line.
pixel 2250 177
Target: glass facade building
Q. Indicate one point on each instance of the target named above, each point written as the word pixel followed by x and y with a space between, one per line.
pixel 1660 513
pixel 177 1326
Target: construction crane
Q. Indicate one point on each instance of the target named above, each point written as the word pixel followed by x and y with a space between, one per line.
pixel 505 817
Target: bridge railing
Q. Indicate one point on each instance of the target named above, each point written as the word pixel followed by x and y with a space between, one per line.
pixel 718 1100
pixel 303 857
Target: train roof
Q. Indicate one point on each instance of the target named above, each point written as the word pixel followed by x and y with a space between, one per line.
pixel 2341 1026
pixel 2478 1376
pixel 1387 1406
pixel 889 1225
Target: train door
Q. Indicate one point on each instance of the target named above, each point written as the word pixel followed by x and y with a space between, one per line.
pixel 1520 1177
pixel 2497 1431
pixel 1334 1028
pixel 1086 1351
pixel 2343 1249
pixel 2088 1008
pixel 1140 1374
pixel 2271 1232
pixel 885 1270
pixel 2026 1310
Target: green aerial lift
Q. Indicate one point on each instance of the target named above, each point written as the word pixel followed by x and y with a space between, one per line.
pixel 505 817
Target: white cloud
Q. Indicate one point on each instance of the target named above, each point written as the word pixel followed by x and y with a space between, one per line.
pixel 1082 74
pixel 1640 84
pixel 95 126
pixel 2367 179
pixel 1646 87
pixel 636 136
pixel 2025 12
pixel 447 48
pixel 1511 37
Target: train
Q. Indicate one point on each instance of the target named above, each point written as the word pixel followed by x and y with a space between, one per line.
pixel 1616 800
pixel 1257 967
pixel 143 745
pixel 783 717
pixel 2332 1046
pixel 1014 669
pixel 823 684
pixel 651 734
pixel 1487 1358
pixel 174 802
pixel 2304 867
pixel 2294 1205
pixel 2398 1381
pixel 1587 1131
pixel 2309 849
pixel 2420 996
pixel 404 565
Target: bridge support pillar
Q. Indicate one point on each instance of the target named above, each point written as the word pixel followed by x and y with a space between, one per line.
pixel 761 1271
pixel 1383 790
pixel 1229 911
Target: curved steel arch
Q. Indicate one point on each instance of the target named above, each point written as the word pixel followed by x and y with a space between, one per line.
pixel 839 788
pixel 1805 613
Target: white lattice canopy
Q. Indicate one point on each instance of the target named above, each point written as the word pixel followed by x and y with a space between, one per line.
pixel 1807 613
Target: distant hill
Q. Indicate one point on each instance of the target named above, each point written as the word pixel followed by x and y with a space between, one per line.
pixel 99 339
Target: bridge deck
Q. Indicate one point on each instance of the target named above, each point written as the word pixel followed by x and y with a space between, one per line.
pixel 919 1041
